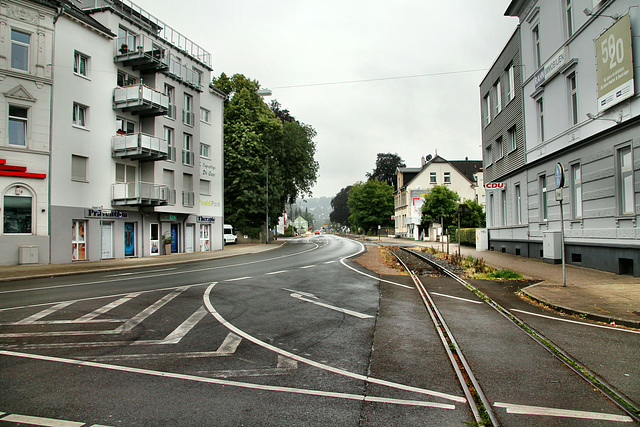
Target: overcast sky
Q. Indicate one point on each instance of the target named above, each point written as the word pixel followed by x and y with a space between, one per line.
pixel 395 76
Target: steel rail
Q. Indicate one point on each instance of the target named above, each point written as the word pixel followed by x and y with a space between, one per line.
pixel 630 407
pixel 460 365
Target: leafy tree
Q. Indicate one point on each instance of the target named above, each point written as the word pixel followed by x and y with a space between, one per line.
pixel 476 217
pixel 282 114
pixel 385 171
pixel 371 204
pixel 340 213
pixel 440 204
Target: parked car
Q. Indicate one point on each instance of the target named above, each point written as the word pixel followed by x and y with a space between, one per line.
pixel 228 234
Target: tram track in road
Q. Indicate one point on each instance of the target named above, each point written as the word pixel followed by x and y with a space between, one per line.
pixel 483 409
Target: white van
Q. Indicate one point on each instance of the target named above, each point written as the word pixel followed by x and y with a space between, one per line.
pixel 229 235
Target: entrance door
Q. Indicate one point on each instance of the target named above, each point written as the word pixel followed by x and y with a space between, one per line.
pixel 154 239
pixel 129 239
pixel 189 235
pixel 174 238
pixel 107 240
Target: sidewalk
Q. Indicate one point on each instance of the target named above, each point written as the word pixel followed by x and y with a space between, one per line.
pixel 598 295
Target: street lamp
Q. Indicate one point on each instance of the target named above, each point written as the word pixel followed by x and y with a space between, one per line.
pixel 262 93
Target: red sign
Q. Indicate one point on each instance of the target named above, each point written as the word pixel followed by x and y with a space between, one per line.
pixel 494 185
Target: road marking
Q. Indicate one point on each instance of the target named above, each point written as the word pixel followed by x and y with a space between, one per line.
pixel 106 308
pixel 284 366
pixel 231 327
pixel 230 343
pixel 458 298
pixel 44 313
pixel 565 413
pixel 330 262
pixel 39 421
pixel 342 261
pixel 332 307
pixel 237 279
pixel 141 272
pixel 307 266
pixel 216 381
pixel 140 317
pixel 278 272
pixel 577 322
pixel 182 330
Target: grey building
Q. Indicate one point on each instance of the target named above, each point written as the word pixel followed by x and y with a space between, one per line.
pixel 580 115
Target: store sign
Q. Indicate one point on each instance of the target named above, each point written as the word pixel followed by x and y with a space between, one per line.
pixel 205 219
pixel 168 218
pixel 97 213
pixel 614 54
pixel 551 67
pixel 495 185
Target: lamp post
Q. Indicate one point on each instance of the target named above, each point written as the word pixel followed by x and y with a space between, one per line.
pixel 262 93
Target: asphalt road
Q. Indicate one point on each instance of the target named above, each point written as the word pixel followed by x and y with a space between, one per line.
pixel 293 336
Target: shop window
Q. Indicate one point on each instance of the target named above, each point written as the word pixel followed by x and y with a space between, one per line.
pixel 17 211
pixel 78 240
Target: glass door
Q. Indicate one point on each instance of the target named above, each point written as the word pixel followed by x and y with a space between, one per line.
pixel 129 239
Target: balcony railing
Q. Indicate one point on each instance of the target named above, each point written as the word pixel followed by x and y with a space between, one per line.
pixel 140 146
pixel 140 99
pixel 188 157
pixel 188 117
pixel 139 194
pixel 172 197
pixel 188 199
pixel 185 74
pixel 171 154
pixel 171 113
pixel 141 53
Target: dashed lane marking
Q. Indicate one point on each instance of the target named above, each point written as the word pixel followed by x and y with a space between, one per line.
pixel 458 298
pixel 332 307
pixel 563 413
pixel 238 278
pixel 39 421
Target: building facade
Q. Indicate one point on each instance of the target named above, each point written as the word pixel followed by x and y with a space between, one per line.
pixel 26 53
pixel 581 114
pixel 122 135
pixel 461 176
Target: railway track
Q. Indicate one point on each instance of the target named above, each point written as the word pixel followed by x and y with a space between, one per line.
pixel 415 264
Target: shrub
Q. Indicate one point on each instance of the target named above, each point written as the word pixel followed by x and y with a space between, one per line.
pixel 506 274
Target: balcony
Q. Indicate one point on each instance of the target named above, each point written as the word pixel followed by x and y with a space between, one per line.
pixel 141 53
pixel 139 146
pixel 188 199
pixel 141 100
pixel 186 75
pixel 139 194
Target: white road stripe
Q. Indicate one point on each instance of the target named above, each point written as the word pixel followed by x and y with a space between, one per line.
pixel 39 421
pixel 330 262
pixel 141 272
pixel 262 387
pixel 182 330
pixel 105 309
pixel 149 356
pixel 331 307
pixel 237 279
pixel 278 272
pixel 138 318
pixel 228 325
pixel 458 298
pixel 230 344
pixel 577 322
pixel 44 313
pixel 307 266
pixel 564 413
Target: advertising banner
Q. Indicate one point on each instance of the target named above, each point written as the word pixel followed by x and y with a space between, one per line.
pixel 614 54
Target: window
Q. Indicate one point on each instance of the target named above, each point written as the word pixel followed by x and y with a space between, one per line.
pixel 168 180
pixel 487 109
pixel 573 98
pixel 20 50
pixel 536 46
pixel 205 187
pixel 78 168
pixel 624 178
pixel 125 126
pixel 187 190
pixel 204 150
pixel 78 240
pixel 433 178
pixel 498 91
pixel 18 125
pixel 511 83
pixel 447 177
pixel 512 139
pixel 576 191
pixel 80 63
pixel 491 206
pixel 518 214
pixel 187 152
pixel 487 155
pixel 125 173
pixel 499 148
pixel 542 186
pixel 503 211
pixel 124 79
pixel 17 211
pixel 168 136
pixel 569 15
pixel 187 113
pixel 540 111
pixel 79 115
pixel 126 40
pixel 204 115
pixel 170 92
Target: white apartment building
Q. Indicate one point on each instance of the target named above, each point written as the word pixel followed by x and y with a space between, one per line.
pixel 461 176
pixel 581 111
pixel 26 49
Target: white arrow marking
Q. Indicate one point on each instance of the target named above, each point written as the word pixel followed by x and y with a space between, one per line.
pixel 331 307
pixel 554 412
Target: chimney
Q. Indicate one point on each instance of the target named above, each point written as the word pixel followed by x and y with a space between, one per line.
pixel 423 161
